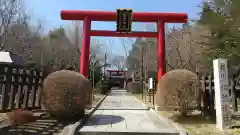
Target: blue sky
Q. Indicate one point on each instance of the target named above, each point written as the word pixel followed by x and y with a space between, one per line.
pixel 49 10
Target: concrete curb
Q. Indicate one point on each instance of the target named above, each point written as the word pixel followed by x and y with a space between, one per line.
pixel 74 128
pixel 181 130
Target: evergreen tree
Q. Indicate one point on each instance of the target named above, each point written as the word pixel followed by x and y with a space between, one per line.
pixel 223 19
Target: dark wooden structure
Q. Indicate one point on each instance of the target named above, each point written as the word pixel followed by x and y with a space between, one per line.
pixel 115 78
pixel 20 87
pixel 207 100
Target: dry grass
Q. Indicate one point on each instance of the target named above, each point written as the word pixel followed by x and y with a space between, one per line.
pixel 196 125
pixel 3 116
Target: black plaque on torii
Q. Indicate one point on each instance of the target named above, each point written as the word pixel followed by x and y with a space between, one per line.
pixel 124 20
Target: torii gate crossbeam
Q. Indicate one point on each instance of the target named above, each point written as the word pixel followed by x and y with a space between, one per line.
pixel 88 16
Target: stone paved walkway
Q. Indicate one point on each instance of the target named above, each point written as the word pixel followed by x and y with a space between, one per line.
pixel 121 113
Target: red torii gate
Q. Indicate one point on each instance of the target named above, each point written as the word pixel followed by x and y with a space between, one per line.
pixel 88 16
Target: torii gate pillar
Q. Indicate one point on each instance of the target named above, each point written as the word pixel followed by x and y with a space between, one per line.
pixel 161 49
pixel 84 58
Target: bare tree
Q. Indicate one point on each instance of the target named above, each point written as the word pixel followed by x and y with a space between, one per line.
pixel 16 35
pixel 74 33
pixel 59 51
pixel 10 13
pixel 127 43
pixel 145 48
pixel 118 62
pixel 110 56
pixel 184 48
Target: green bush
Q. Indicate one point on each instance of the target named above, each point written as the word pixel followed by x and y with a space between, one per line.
pixel 66 94
pixel 178 89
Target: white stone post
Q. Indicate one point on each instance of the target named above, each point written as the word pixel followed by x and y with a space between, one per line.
pixel 222 97
pixel 150 83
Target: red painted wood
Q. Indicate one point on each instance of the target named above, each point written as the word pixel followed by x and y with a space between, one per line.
pixel 161 49
pixel 136 16
pixel 115 34
pixel 84 58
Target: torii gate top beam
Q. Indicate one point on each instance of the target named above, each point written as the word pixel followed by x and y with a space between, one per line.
pixel 136 16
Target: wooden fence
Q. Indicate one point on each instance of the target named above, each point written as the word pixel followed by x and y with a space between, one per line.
pixel 207 103
pixel 19 87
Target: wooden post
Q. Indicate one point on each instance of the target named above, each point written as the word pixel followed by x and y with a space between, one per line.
pixel 233 94
pixel 142 70
pixel 205 97
pixel 210 95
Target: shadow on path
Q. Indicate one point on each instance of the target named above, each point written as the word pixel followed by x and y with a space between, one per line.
pixel 123 109
pixel 103 120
